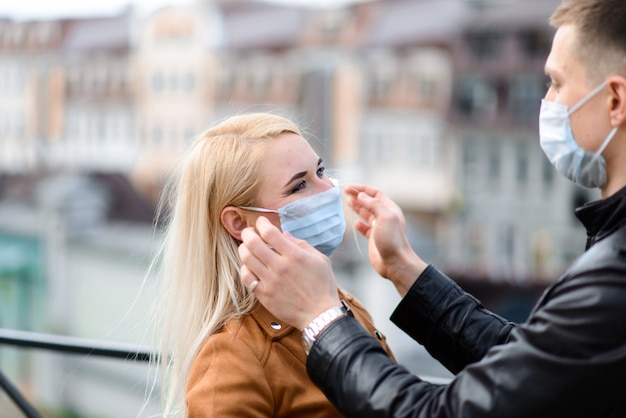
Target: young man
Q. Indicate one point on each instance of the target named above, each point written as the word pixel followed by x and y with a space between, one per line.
pixel 569 358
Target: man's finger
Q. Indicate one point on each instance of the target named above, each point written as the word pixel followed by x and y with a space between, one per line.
pixel 273 237
pixel 255 253
pixel 248 278
pixel 355 189
pixel 362 227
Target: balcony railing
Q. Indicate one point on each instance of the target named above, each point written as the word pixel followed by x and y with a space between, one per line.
pixel 67 345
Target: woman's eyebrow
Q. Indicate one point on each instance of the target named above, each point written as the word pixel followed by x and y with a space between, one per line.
pixel 301 174
pixel 295 177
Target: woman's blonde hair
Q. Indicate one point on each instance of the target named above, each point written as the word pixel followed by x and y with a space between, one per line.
pixel 198 260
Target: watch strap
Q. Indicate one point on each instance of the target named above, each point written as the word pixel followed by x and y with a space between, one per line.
pixel 321 322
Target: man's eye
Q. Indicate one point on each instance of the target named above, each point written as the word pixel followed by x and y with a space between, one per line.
pixel 551 84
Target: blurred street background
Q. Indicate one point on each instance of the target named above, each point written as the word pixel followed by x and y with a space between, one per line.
pixel 434 101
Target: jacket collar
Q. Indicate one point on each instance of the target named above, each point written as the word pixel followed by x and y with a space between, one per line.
pixel 603 217
pixel 272 326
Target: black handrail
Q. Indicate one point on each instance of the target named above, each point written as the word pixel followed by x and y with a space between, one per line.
pixel 15 395
pixel 68 345
pixel 74 345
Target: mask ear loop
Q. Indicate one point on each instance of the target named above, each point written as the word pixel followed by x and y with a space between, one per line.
pixel 585 99
pixel 350 217
pixel 598 153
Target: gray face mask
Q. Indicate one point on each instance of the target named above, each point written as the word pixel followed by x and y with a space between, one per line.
pixel 317 219
pixel 556 138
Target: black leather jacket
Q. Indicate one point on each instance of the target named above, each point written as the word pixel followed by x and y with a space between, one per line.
pixel 567 360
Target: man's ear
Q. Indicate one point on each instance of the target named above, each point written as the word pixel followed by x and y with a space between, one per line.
pixel 617 85
pixel 233 220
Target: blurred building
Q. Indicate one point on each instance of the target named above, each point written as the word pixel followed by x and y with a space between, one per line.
pixel 434 101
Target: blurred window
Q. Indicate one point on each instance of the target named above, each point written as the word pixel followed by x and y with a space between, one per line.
pixel 474 96
pixel 384 72
pixel 427 88
pixel 157 135
pixel 173 82
pixel 470 159
pixel 385 148
pixel 485 44
pixel 494 163
pixel 522 164
pixel 19 124
pixel 535 43
pixel 547 173
pixel 157 82
pixel 102 128
pixel 189 82
pixel 524 98
pixel 100 78
pixel 225 82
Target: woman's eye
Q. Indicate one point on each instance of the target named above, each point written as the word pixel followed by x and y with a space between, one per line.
pixel 299 186
pixel 320 171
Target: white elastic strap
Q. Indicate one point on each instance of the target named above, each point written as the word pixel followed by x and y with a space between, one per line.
pixel 604 144
pixel 258 209
pixel 587 97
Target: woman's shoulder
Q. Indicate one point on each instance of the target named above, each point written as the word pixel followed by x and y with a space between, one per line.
pixel 251 333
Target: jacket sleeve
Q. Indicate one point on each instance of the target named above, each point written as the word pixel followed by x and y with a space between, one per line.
pixel 228 380
pixel 453 325
pixel 568 360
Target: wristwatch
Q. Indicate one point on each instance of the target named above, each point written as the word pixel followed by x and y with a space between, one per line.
pixel 321 322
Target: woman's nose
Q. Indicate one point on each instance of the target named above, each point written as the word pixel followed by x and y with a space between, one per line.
pixel 323 184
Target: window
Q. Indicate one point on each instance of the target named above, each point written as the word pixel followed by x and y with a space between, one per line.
pixel 384 72
pixel 524 98
pixel 547 173
pixel 189 82
pixel 157 135
pixel 426 88
pixel 173 82
pixel 475 96
pixel 470 159
pixel 535 43
pixel 486 44
pixel 494 164
pixel 157 82
pixel 522 164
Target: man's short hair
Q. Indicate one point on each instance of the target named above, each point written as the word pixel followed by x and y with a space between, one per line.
pixel 601 26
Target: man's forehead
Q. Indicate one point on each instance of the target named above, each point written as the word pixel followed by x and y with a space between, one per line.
pixel 560 59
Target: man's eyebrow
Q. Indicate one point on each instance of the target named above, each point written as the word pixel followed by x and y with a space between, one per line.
pixel 301 174
pixel 551 71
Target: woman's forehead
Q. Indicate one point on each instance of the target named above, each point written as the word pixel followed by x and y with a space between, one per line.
pixel 288 155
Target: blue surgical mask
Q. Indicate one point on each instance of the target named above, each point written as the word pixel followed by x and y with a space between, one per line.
pixel 556 138
pixel 317 219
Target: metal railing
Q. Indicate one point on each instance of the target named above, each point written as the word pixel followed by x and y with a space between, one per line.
pixel 67 345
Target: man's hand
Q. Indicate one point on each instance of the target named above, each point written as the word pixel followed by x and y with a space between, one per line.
pixel 384 226
pixel 295 281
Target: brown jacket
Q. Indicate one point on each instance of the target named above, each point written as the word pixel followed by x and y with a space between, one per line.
pixel 256 367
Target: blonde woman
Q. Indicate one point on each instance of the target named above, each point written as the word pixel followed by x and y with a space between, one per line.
pixel 227 356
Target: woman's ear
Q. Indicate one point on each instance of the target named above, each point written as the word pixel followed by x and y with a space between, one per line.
pixel 234 221
pixel 618 100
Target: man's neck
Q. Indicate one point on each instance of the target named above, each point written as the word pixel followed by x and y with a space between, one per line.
pixel 616 165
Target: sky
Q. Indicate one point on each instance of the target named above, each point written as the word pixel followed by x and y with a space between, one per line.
pixel 35 9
